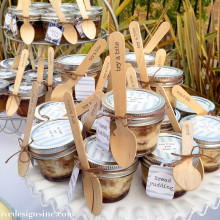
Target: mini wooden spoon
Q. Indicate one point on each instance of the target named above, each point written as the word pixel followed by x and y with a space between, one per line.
pixel 94 53
pixel 188 100
pixel 50 73
pixel 139 52
pixel 24 158
pixel 91 185
pixel 88 26
pixel 169 110
pixel 13 101
pixel 160 57
pixel 27 31
pixel 185 174
pixel 157 37
pixel 123 142
pixel 69 32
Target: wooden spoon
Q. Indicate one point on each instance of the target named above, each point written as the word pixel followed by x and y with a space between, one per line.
pixel 169 110
pixel 94 53
pixel 139 52
pixel 13 101
pixel 69 32
pixel 24 159
pixel 50 73
pixel 160 57
pixel 123 142
pixel 185 174
pixel 91 185
pixel 188 100
pixel 88 26
pixel 159 34
pixel 131 78
pixel 27 31
pixel 40 67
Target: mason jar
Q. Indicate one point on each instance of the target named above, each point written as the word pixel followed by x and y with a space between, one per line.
pixel 208 105
pixel 53 148
pixel 3 97
pixel 167 144
pixel 7 63
pixel 8 74
pixel 206 133
pixel 148 108
pixel 31 75
pixel 25 93
pixel 115 180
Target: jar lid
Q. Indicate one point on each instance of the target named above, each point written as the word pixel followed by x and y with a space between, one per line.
pixel 3 84
pixel 52 136
pixel 31 75
pixel 166 121
pixel 93 8
pixel 140 102
pixel 71 62
pixel 206 130
pixel 205 103
pixel 33 14
pixel 131 58
pixel 100 158
pixel 26 87
pixel 51 15
pixel 8 63
pixel 52 110
pixel 45 63
pixel 8 74
pixel 91 14
pixel 14 8
pixel 167 144
pixel 40 5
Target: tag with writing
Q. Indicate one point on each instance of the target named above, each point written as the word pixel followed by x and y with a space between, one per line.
pixel 7 22
pixel 160 182
pixel 72 183
pixel 78 26
pixel 103 132
pixel 14 25
pixel 84 88
pixel 54 33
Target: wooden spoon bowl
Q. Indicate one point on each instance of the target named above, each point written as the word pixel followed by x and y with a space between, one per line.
pixel 12 105
pixel 70 33
pixel 27 33
pixel 89 29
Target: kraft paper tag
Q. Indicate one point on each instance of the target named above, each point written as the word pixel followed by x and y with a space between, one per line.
pixel 72 183
pixel 160 183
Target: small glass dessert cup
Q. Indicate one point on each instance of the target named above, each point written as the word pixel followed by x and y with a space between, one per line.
pixel 24 93
pixel 207 136
pixel 205 103
pixel 168 143
pixel 3 97
pixel 115 180
pixel 146 109
pixel 53 149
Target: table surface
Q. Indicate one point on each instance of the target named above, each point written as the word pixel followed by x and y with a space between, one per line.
pixel 13 188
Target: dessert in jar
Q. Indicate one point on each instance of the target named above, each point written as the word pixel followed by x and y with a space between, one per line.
pixel 206 133
pixel 205 103
pixel 146 109
pixel 131 58
pixel 53 148
pixel 34 19
pixel 24 93
pixel 95 16
pixel 71 63
pixel 49 111
pixel 166 124
pixel 167 144
pixel 8 74
pixel 7 63
pixel 115 180
pixel 3 97
pixel 167 77
pixel 31 75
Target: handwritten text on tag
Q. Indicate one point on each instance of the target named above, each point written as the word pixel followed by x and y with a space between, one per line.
pixel 72 183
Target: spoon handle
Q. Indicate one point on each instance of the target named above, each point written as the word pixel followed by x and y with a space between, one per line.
pixel 160 57
pixel 187 137
pixel 25 9
pixel 31 57
pixel 88 5
pixel 57 8
pixel 131 78
pixel 50 65
pixel 82 9
pixel 40 68
pixel 17 56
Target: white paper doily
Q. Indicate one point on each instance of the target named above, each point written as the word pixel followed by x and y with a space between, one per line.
pixel 135 206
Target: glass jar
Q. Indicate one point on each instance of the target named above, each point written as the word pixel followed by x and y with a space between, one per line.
pixel 205 103
pixel 167 77
pixel 24 93
pixel 167 144
pixel 7 63
pixel 3 98
pixel 115 180
pixel 53 148
pixel 8 74
pixel 131 58
pixel 50 111
pixel 207 135
pixel 31 75
pixel 140 103
pixel 95 16
pixel 71 63
pixel 34 20
pixel 166 124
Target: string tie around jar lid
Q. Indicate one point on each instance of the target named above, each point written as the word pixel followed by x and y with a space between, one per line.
pixel 23 149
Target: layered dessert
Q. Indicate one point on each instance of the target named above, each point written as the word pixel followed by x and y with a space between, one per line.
pixel 3 98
